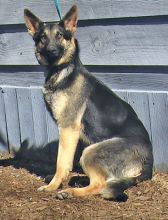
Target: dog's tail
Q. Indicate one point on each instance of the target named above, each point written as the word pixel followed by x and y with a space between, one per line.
pixel 115 188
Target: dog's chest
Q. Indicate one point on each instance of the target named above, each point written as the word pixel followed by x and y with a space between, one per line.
pixel 56 101
pixel 65 104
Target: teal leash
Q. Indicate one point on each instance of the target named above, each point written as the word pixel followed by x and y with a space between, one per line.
pixel 58 8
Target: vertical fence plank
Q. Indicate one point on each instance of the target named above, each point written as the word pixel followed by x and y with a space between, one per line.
pixel 3 129
pixel 12 119
pixel 159 124
pixel 159 127
pixel 39 118
pixel 25 117
pixel 140 103
pixel 52 128
pixel 52 136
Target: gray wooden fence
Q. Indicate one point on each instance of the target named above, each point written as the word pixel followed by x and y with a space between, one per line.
pixel 123 43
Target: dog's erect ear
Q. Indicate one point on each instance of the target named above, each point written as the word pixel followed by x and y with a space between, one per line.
pixel 33 23
pixel 70 19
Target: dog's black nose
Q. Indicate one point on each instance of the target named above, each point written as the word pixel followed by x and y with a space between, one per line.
pixel 52 55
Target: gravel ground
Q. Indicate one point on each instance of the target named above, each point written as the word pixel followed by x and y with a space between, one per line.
pixel 19 199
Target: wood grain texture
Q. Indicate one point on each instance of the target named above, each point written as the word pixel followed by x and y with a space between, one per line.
pixel 135 81
pixel 158 103
pixel 100 45
pixel 124 44
pixel 20 78
pixel 53 136
pixel 52 128
pixel 11 12
pixel 140 103
pixel 39 118
pixel 3 128
pixel 25 118
pixel 121 81
pixel 12 119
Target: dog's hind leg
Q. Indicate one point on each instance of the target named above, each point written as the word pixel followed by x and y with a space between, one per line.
pixel 97 184
pixel 96 175
pixel 115 188
pixel 93 169
pixel 112 166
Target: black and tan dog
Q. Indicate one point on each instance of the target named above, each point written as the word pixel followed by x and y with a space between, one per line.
pixel 118 152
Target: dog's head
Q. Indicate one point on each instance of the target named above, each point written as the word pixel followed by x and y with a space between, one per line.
pixel 54 43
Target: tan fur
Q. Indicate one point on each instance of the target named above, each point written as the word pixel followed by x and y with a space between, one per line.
pixel 97 179
pixel 71 19
pixel 68 139
pixel 61 101
pixel 46 32
pixel 39 57
pixel 68 51
pixel 84 138
pixel 97 183
pixel 31 28
pixel 91 148
pixel 58 105
pixel 67 145
pixel 64 73
pixel 132 171
pixel 68 136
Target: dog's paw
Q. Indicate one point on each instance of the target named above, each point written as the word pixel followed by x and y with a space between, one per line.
pixel 64 195
pixel 42 189
pixel 47 188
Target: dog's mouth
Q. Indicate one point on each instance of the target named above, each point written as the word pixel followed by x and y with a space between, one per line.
pixel 48 57
pixel 51 56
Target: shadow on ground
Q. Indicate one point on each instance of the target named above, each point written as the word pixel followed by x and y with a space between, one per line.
pixel 41 161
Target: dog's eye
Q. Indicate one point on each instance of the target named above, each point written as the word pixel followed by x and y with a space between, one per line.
pixel 58 36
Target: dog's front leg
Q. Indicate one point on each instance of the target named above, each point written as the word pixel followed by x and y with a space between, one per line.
pixel 68 139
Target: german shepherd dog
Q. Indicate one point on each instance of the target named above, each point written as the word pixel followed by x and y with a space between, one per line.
pixel 118 151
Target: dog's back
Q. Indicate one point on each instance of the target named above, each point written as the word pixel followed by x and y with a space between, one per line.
pixel 108 115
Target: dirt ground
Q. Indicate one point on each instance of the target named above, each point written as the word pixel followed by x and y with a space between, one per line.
pixel 19 199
